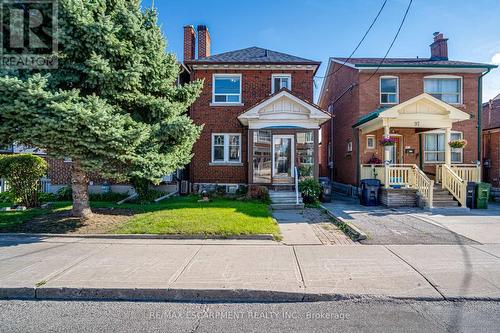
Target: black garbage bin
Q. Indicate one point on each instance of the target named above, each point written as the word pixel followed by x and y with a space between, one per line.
pixel 370 192
pixel 326 189
pixel 470 200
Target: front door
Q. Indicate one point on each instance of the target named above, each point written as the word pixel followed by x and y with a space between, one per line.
pixel 397 150
pixel 283 156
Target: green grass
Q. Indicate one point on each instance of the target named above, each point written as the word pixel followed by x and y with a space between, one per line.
pixel 178 215
pixel 185 215
pixel 10 219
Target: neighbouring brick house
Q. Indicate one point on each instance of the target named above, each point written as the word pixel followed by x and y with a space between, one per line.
pixel 257 112
pixel 418 104
pixel 491 141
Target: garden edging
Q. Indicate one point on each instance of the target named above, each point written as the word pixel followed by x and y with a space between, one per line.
pixel 352 231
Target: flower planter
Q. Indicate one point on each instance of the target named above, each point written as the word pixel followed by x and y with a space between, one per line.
pixel 457 143
pixel 387 142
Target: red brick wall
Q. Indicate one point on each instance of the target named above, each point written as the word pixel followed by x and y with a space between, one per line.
pixel 59 172
pixel 256 85
pixel 345 113
pixel 491 116
pixel 365 99
pixel 491 151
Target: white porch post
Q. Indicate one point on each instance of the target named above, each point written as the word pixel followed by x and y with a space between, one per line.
pixel 447 148
pixel 387 156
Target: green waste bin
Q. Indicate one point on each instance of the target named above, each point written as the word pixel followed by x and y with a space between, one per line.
pixel 482 195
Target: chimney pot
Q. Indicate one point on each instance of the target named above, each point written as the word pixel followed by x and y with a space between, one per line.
pixel 439 48
pixel 204 41
pixel 189 42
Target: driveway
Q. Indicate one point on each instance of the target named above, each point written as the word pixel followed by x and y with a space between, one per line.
pixel 404 226
pixel 481 225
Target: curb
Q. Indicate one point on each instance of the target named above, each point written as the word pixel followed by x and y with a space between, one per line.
pixel 353 232
pixel 143 236
pixel 205 295
pixel 194 295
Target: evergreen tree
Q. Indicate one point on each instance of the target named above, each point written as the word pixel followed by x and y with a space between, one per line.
pixel 112 105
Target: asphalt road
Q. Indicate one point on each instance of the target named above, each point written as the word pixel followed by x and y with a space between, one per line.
pixel 341 316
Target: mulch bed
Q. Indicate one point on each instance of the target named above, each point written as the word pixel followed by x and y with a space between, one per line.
pixel 104 220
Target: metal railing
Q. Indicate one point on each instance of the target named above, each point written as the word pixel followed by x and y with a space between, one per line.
pixel 296 186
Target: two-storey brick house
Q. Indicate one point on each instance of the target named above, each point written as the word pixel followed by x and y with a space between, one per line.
pixel 259 122
pixel 417 105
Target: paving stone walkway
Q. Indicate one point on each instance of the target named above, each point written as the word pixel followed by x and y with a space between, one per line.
pixel 310 226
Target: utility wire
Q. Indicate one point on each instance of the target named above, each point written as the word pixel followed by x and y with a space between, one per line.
pixel 392 44
pixel 359 44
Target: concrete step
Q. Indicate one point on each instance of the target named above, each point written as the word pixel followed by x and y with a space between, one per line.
pixel 445 204
pixel 286 206
pixel 286 201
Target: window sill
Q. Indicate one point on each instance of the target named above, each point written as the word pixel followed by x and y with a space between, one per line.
pixel 226 104
pixel 225 164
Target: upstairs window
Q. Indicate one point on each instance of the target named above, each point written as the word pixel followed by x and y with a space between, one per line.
pixel 227 88
pixel 280 81
pixel 447 89
pixel 389 90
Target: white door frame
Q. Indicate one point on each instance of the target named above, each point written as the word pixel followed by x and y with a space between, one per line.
pixel 292 149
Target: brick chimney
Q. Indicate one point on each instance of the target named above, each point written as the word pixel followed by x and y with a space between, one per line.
pixel 189 42
pixel 439 48
pixel 203 42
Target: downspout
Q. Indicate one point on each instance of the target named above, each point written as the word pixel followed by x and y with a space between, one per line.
pixel 479 113
pixel 358 153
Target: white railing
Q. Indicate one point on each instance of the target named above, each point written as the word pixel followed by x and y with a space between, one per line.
pixel 468 172
pixel 451 181
pixel 296 186
pixel 403 175
pixel 44 185
pixel 3 185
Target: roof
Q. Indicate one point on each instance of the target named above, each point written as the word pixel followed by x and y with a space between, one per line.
pixel 253 55
pixel 372 115
pixel 411 62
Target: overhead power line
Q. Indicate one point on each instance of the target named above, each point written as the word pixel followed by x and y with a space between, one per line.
pixel 359 44
pixel 393 41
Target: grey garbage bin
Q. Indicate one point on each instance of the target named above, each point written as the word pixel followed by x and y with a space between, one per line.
pixel 471 195
pixel 326 189
pixel 370 192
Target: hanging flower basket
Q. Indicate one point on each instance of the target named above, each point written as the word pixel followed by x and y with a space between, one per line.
pixel 457 143
pixel 387 142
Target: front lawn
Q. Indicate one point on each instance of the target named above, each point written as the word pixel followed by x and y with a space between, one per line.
pixel 178 215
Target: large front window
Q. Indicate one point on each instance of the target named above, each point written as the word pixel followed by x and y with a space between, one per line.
pixel 305 153
pixel 435 146
pixel 262 162
pixel 446 89
pixel 227 88
pixel 226 148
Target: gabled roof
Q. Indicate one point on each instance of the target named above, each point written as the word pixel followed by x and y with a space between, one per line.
pixel 253 55
pixel 410 62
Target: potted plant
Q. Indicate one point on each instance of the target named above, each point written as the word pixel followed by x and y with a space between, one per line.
pixel 457 143
pixel 374 160
pixel 387 142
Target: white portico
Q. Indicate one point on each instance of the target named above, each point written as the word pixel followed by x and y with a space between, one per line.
pixel 283 135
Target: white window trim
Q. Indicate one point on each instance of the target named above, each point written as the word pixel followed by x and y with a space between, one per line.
pixel 349 146
pixel 273 76
pixel 380 88
pixel 214 76
pixel 453 150
pixel 461 97
pixel 374 142
pixel 226 149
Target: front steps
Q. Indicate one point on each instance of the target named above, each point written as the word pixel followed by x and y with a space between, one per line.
pixel 285 200
pixel 443 198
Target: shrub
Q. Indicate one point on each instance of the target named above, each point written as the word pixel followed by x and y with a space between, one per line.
pixel 260 193
pixel 47 197
pixel 108 196
pixel 65 194
pixel 242 190
pixel 7 197
pixel 22 172
pixel 310 189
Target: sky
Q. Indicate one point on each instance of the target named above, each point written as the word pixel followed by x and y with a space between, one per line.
pixel 319 29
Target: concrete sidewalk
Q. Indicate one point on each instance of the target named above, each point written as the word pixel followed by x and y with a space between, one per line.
pixel 76 268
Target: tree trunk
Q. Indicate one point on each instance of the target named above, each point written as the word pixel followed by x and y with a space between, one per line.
pixel 80 187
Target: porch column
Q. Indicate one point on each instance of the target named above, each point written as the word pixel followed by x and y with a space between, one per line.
pixel 447 148
pixel 387 156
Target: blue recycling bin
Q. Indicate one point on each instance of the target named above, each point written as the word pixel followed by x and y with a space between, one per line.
pixel 370 189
